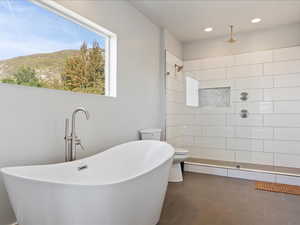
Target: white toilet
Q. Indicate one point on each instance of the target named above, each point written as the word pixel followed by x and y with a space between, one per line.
pixel 180 154
pixel 176 173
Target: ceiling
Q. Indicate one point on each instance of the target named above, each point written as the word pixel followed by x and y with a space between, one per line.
pixel 186 19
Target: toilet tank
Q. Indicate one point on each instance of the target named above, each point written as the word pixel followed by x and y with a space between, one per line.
pixel 151 134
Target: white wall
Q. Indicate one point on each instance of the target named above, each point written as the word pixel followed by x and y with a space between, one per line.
pixel 278 37
pixel 271 133
pixel 32 119
pixel 172 45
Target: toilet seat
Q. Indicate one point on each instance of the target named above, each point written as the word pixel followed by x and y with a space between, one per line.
pixel 181 151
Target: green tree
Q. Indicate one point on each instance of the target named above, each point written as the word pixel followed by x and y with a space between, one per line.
pixel 8 80
pixel 84 72
pixel 23 76
pixel 95 68
pixel 26 76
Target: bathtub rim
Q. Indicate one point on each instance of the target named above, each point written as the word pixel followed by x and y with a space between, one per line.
pixel 6 170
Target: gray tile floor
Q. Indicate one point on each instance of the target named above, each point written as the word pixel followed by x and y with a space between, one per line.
pixel 213 200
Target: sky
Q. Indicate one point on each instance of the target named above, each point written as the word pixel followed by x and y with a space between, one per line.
pixel 26 29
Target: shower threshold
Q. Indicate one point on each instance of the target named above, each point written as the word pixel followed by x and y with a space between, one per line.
pixel 247 167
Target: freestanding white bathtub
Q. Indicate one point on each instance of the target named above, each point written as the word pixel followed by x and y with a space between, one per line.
pixel 124 185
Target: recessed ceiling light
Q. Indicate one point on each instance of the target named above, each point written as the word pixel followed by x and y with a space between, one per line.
pixel 256 20
pixel 208 29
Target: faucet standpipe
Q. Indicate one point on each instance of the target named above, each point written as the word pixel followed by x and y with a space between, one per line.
pixel 71 141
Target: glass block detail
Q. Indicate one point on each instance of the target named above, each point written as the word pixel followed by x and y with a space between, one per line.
pixel 216 97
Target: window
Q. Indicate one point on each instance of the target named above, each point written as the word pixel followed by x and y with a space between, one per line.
pixel 45 45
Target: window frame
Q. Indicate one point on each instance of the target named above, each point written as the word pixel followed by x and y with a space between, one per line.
pixel 110 41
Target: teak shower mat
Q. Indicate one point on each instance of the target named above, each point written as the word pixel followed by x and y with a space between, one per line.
pixel 275 187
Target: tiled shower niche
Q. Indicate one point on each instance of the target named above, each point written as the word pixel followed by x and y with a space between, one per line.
pixel 214 97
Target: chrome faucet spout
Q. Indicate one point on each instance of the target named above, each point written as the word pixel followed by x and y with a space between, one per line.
pixel 81 109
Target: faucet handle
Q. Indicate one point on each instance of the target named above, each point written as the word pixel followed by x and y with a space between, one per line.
pixel 78 142
pixel 81 146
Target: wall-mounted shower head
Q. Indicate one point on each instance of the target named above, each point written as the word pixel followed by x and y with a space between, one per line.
pixel 178 68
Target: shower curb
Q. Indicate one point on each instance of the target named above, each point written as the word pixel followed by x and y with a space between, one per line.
pixel 240 170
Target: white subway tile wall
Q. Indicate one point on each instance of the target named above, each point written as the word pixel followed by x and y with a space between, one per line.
pixel 218 131
pixel 253 83
pixel 269 135
pixel 283 67
pixel 255 157
pixel 254 58
pixel 210 142
pixel 211 74
pixel 287 80
pixel 244 144
pixel 286 54
pixel 245 71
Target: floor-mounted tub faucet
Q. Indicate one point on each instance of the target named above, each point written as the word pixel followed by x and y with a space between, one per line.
pixel 71 141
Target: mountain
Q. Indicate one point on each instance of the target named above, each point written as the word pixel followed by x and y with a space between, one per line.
pixel 46 64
